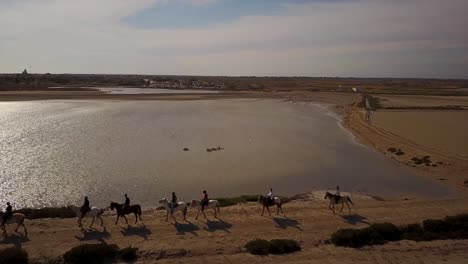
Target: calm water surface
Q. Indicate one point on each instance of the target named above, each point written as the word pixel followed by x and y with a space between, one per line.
pixel 55 152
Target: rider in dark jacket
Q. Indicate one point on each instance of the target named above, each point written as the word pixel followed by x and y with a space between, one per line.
pixel 173 202
pixel 8 213
pixel 204 201
pixel 85 208
pixel 127 203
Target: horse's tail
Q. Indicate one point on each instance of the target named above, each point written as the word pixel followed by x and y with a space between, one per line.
pixel 349 199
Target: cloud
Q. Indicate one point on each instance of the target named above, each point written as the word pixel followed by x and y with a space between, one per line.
pixel 359 38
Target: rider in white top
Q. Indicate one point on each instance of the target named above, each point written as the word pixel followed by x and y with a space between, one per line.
pixel 270 194
pixel 338 191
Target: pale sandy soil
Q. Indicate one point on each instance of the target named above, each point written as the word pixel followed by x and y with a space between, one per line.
pixel 443 130
pixel 422 100
pixel 216 240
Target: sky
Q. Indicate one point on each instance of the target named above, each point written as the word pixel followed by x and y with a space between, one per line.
pixel 346 38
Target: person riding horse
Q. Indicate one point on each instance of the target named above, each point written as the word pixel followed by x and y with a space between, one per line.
pixel 270 196
pixel 204 201
pixel 8 213
pixel 173 202
pixel 337 194
pixel 126 204
pixel 85 208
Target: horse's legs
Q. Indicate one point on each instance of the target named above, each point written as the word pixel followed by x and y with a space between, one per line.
pixel 102 223
pixel 268 209
pixel 92 222
pixel 167 215
pixel 263 209
pixel 349 208
pixel 118 216
pixel 126 221
pixel 204 215
pixel 342 205
pixel 136 217
pixel 17 226
pixel 25 231
pixel 196 217
pixel 216 216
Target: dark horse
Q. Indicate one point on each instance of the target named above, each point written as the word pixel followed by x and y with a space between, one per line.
pixel 267 203
pixel 135 209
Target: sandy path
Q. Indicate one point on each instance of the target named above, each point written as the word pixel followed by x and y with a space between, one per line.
pixel 222 239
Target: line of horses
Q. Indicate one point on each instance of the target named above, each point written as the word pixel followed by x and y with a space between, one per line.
pixel 97 213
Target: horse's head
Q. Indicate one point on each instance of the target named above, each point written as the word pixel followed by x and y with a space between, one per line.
pixel 112 205
pixel 327 194
pixel 163 201
pixel 261 198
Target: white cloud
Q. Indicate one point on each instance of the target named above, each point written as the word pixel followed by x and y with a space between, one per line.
pixel 358 38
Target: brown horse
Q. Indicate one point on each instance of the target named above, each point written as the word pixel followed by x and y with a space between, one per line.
pixel 267 203
pixel 135 209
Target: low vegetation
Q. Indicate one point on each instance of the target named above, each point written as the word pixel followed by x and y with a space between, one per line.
pixel 47 212
pixel 424 160
pixel 452 227
pixel 275 246
pixel 99 253
pixel 223 202
pixel 13 255
pixel 395 151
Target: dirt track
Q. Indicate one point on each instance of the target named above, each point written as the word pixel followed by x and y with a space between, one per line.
pixel 215 240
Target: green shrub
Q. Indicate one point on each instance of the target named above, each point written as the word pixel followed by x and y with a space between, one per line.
pixel 452 227
pixel 47 212
pixel 283 246
pixel 275 246
pixel 128 254
pixel 13 255
pixel 92 253
pixel 258 247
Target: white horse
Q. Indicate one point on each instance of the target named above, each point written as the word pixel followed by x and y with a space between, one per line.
pixel 212 204
pixel 343 199
pixel 16 218
pixel 181 206
pixel 94 213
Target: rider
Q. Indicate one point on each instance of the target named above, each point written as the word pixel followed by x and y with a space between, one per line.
pixel 270 195
pixel 204 202
pixel 85 208
pixel 337 194
pixel 173 202
pixel 8 213
pixel 127 203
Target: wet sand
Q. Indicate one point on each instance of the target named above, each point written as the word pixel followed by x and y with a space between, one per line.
pixel 442 130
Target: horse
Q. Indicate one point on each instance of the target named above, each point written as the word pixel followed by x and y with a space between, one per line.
pixel 94 213
pixel 212 204
pixel 267 203
pixel 343 199
pixel 135 209
pixel 16 218
pixel 181 206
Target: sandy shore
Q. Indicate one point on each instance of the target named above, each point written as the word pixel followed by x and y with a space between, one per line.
pixel 222 240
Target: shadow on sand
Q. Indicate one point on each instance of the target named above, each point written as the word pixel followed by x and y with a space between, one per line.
pixel 141 231
pixel 15 239
pixel 221 225
pixel 93 234
pixel 286 222
pixel 355 219
pixel 189 227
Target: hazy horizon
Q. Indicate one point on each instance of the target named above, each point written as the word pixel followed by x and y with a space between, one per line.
pixel 263 38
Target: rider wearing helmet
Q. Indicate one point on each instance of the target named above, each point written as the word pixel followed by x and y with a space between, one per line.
pixel 204 202
pixel 85 208
pixel 270 195
pixel 173 202
pixel 127 203
pixel 8 213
